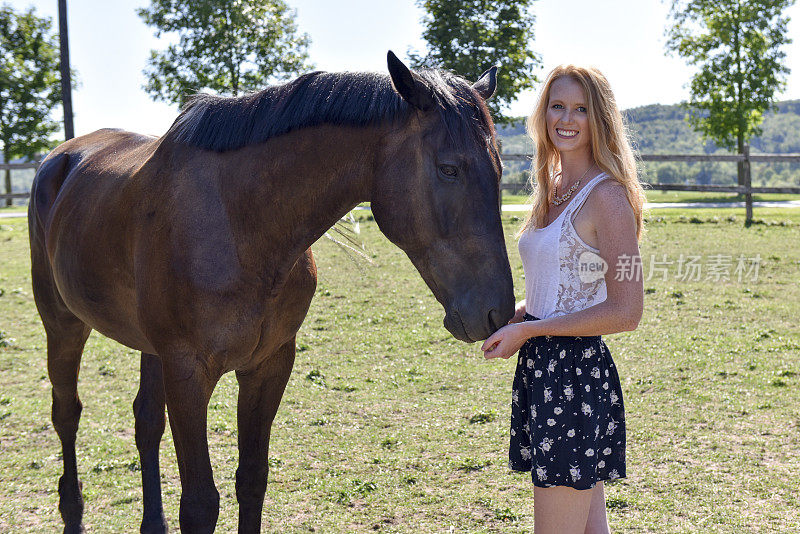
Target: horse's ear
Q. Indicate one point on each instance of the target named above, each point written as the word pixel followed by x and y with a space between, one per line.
pixel 411 87
pixel 487 83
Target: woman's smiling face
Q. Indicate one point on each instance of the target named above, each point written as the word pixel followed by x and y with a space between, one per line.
pixel 568 116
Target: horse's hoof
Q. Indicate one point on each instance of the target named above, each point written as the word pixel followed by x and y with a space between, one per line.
pixel 70 504
pixel 156 526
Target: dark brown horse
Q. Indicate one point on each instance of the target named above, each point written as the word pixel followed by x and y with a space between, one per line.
pixel 194 249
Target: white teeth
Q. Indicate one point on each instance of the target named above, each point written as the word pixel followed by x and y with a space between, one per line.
pixel 566 133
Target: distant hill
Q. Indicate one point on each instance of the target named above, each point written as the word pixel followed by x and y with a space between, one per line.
pixel 660 129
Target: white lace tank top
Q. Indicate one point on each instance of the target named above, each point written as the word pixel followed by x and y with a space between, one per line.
pixel 562 273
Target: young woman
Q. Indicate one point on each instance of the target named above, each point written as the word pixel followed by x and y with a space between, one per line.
pixel 579 249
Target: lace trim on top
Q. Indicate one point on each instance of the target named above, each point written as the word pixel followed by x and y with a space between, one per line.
pixel 574 293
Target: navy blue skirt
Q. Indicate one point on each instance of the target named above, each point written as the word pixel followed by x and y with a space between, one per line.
pixel 567 417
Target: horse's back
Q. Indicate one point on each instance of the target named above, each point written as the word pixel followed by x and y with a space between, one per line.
pixel 107 152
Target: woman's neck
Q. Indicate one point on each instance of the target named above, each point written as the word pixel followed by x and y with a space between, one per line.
pixel 574 167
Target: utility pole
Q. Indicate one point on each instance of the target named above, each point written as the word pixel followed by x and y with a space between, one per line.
pixel 66 78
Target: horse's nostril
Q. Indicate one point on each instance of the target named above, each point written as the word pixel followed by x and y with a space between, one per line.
pixel 494 320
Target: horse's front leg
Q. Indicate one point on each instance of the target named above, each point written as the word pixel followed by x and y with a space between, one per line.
pixel 260 393
pixel 148 408
pixel 188 385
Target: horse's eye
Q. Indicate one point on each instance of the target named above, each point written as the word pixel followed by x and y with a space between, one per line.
pixel 449 171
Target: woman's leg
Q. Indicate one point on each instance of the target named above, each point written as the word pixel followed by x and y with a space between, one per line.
pixel 561 510
pixel 597 522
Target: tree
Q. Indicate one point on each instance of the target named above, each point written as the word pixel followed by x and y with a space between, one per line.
pixel 469 36
pixel 29 85
pixel 226 46
pixel 737 45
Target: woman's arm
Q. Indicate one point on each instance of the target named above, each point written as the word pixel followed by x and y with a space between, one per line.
pixel 621 311
pixel 519 313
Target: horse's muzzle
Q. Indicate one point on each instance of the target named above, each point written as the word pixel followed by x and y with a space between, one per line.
pixel 477 323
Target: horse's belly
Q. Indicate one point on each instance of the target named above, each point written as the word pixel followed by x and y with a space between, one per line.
pixel 108 306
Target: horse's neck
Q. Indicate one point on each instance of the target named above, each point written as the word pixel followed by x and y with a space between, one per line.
pixel 286 193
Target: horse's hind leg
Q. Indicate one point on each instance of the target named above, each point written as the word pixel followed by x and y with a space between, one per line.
pixel 64 351
pixel 66 337
pixel 260 393
pixel 148 408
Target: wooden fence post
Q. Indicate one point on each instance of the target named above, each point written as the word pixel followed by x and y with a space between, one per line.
pixel 500 190
pixel 8 186
pixel 748 194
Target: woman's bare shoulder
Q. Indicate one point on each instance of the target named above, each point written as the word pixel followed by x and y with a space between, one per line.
pixel 609 205
pixel 610 189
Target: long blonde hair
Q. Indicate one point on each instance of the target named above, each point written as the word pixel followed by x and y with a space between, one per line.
pixel 611 147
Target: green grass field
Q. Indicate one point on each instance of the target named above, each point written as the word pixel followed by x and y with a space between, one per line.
pixel 388 424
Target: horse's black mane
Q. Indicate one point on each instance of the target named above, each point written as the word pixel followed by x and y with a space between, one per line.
pixel 346 99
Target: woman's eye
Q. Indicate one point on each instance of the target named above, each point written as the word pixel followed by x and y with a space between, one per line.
pixel 451 171
pixel 557 106
pixel 582 109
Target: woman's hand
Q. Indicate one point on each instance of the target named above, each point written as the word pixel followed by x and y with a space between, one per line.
pixel 519 313
pixel 508 340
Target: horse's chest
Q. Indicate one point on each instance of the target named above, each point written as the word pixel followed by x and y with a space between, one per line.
pixel 288 308
pixel 243 323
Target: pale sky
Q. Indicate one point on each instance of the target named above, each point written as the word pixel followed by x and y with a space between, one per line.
pixel 109 47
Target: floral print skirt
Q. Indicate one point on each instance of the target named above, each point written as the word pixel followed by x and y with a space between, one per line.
pixel 567 417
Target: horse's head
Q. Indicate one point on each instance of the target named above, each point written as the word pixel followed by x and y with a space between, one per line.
pixel 436 196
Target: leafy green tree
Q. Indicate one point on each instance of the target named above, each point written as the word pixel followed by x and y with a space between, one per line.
pixel 226 46
pixel 737 46
pixel 469 36
pixel 29 85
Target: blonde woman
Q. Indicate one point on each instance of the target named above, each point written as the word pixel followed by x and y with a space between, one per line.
pixel 579 249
